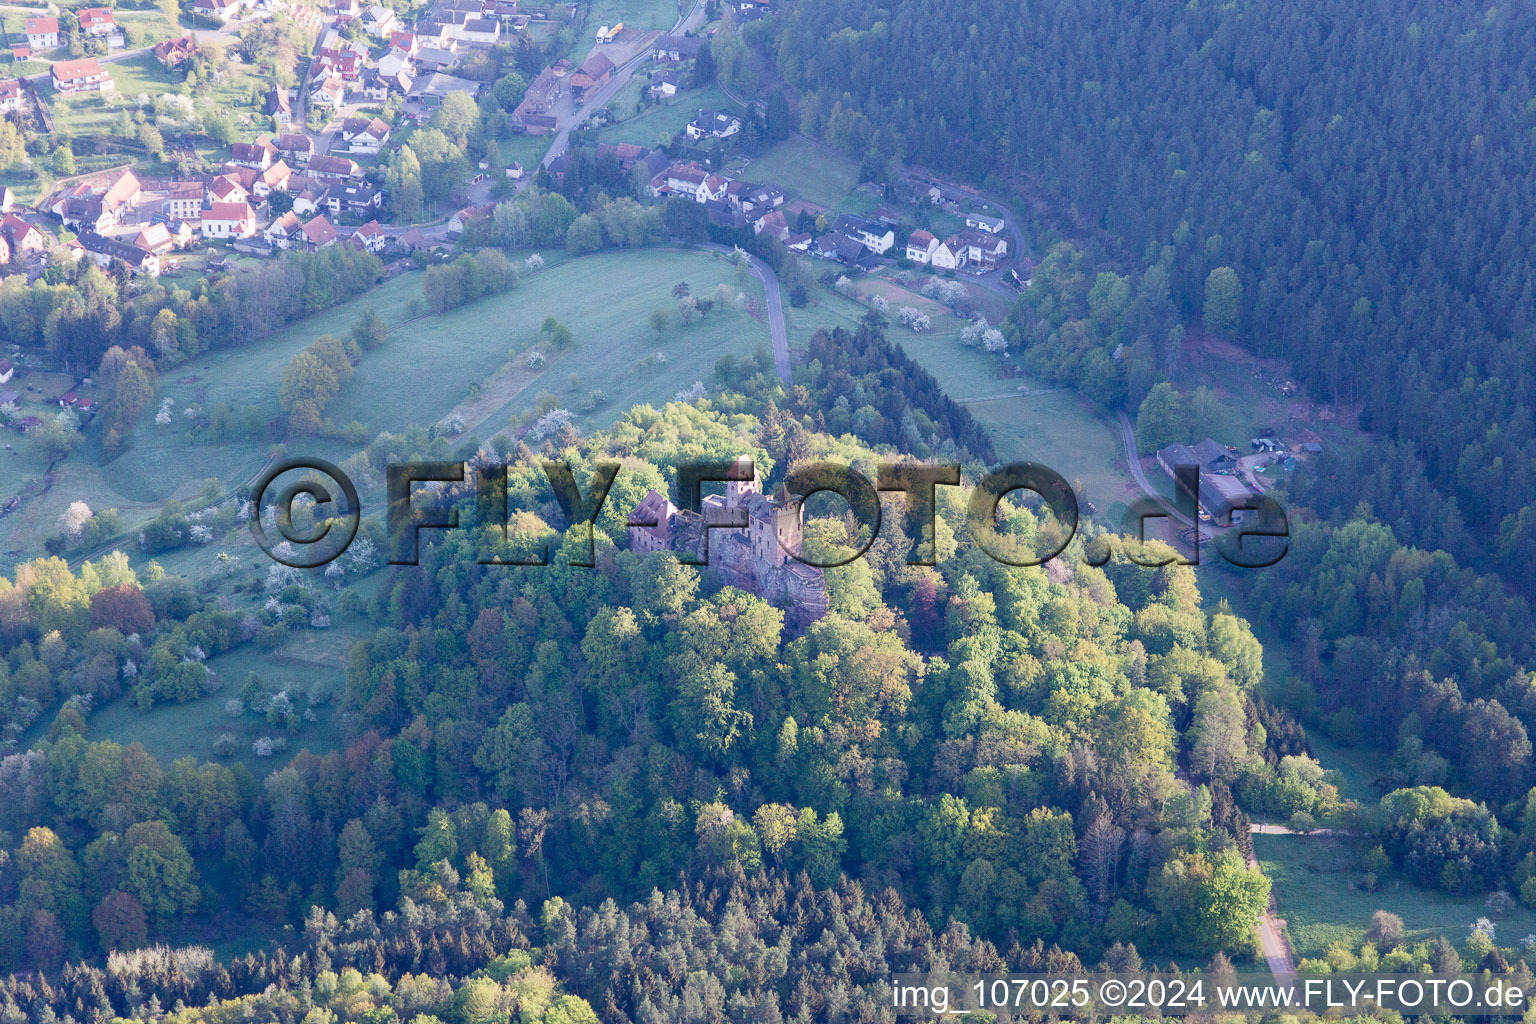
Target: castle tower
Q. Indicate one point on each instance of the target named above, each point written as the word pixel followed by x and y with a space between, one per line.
pixel 789 522
pixel 742 482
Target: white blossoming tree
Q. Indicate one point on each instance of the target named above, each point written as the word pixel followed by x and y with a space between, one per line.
pixel 73 519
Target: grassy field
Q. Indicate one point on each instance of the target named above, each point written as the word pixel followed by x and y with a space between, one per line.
pixel 810 172
pixel 309 662
pixel 1057 428
pixel 425 371
pixel 669 118
pixel 1316 883
pixel 527 150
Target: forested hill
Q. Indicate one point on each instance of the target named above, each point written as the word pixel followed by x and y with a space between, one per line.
pixel 1366 167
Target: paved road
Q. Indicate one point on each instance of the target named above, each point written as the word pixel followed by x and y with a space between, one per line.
pixel 776 329
pixel 609 89
pixel 1128 437
pixel 775 309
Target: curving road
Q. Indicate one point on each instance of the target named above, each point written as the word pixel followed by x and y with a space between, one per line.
pixel 775 304
pixel 774 301
pixel 1128 437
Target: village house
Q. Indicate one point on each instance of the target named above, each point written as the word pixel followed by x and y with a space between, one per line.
pixel 229 220
pixel 90 205
pixel 354 198
pixel 365 135
pixel 245 177
pixel 24 237
pixel 876 237
pixel 280 233
pixel 478 31
pixel 173 53
pixel 379 22
pixel 434 58
pixel 369 238
pixel 83 75
pixel 949 254
pixel 712 189
pixel 404 42
pixel 7 199
pixel 533 113
pixel 218 10
pixel 156 238
pixel 273 179
pixel 10 96
pixel 308 199
pixel 713 124
pixel 759 199
pixel 921 245
pixel 42 33
pixel 225 188
pixel 318 233
pixel 97 21
pixel 7 371
pixel 102 251
pixel 773 224
pixel 983 250
pixel 460 220
pixel 664 83
pixel 333 168
pixel 836 247
pixel 295 148
pixel 391 65
pixel 331 92
pixel 259 154
pixel 278 106
pixel 84 213
pixel 680 179
pixel 985 222
pixel 628 154
pixel 678 48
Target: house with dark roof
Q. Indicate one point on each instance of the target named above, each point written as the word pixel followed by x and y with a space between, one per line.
pixel 678 48
pixel 665 83
pixel 877 237
pixel 713 124
pixel 333 168
pixel 103 251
